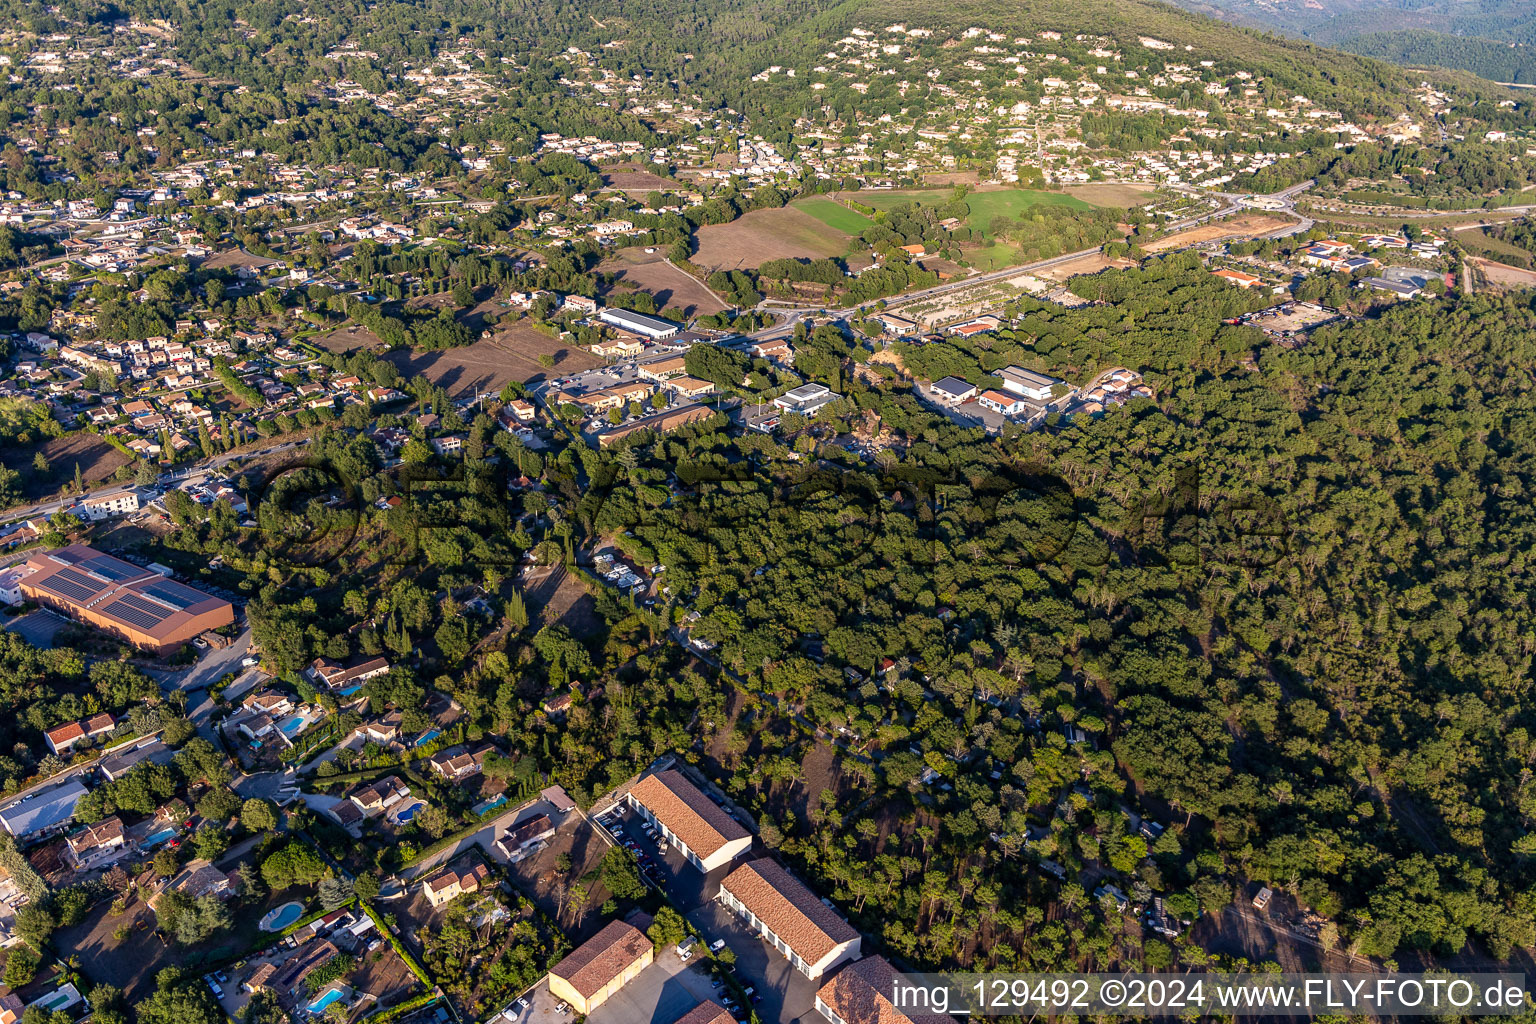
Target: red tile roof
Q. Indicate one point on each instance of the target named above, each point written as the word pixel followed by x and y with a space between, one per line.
pixel 858 994
pixel 603 957
pixel 687 813
pixel 790 910
pixel 707 1012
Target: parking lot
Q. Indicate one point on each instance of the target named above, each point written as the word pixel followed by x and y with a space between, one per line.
pixel 662 993
pixel 785 995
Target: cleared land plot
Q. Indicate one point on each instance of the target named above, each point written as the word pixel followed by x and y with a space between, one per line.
pixel 764 235
pixel 486 365
pixel 1249 226
pixel 98 461
pixel 1503 274
pixel 649 272
pixel 351 338
pixel 1124 196
pixel 833 215
pixel 1090 264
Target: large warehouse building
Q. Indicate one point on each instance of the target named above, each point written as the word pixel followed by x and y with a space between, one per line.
pixel 651 327
pixel 126 600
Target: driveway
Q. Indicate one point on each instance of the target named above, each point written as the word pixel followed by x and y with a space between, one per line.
pixel 212 666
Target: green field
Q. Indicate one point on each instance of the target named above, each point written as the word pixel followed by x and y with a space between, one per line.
pixel 833 215
pixel 984 206
pixel 1012 203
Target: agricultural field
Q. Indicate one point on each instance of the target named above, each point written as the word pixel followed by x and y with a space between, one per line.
pixel 833 215
pixel 984 205
pixel 762 235
pixel 1012 203
pixel 485 366
pixel 1118 196
pixel 670 287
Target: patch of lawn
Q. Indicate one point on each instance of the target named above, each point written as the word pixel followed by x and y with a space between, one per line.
pixel 833 215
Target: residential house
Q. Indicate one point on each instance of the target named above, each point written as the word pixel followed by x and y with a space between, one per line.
pixel 97 844
pixel 377 797
pixel 451 882
pixel 525 838
pixel 335 676
pixel 457 764
pixel 62 739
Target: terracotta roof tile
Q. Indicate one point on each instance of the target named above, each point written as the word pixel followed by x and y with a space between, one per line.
pixel 790 910
pixel 603 957
pixel 707 1012
pixel 687 813
pixel 857 994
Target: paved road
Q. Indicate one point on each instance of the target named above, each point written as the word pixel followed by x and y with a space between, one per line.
pixel 1236 203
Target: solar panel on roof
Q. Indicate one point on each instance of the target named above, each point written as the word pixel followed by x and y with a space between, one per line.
pixel 174 594
pixel 110 568
pixel 147 607
pixel 134 617
pixel 72 586
pixel 80 579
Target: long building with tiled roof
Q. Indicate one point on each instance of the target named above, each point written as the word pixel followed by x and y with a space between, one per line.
pixel 779 907
pixel 861 992
pixel 701 831
pixel 707 1012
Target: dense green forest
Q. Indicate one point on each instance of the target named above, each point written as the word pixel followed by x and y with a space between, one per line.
pixel 1497 61
pixel 1286 602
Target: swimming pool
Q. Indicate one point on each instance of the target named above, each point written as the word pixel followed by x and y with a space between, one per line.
pixel 490 805
pixel 349 691
pixel 405 815
pixel 334 994
pixel 159 837
pixel 293 726
pixel 280 918
pixel 428 737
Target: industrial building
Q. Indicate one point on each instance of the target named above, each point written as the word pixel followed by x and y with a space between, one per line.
pixel 137 604
pixel 651 327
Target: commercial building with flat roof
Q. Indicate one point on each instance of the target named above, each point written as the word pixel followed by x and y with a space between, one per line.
pixel 126 600
pixel 702 832
pixel 651 327
pixel 780 908
pixel 601 966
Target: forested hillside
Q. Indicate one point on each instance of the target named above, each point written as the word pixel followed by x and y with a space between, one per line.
pixel 1490 38
pixel 1491 59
